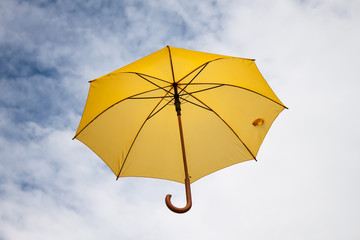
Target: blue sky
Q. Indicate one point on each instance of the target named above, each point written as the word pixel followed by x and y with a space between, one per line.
pixel 305 184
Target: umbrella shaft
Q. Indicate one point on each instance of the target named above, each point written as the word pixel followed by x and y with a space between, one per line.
pixel 178 111
pixel 187 178
pixel 183 147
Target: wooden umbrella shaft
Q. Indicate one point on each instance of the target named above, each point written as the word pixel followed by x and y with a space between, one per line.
pixel 187 178
pixel 183 146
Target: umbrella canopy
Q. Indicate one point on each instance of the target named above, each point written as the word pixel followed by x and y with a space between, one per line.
pixel 223 110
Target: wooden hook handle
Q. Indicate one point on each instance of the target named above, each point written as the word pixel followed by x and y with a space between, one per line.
pixel 188 200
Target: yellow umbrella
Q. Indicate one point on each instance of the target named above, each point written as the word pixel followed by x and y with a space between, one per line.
pixel 224 108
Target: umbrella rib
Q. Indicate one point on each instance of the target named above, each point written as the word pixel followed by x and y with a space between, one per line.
pixel 212 110
pixel 148 97
pixel 137 134
pixel 153 83
pixel 256 93
pixel 217 59
pixel 151 77
pixel 198 105
pixel 173 76
pixel 189 94
pixel 131 97
pixel 137 73
pixel 193 77
pixel 230 85
pixel 203 90
pixel 150 116
pixel 171 65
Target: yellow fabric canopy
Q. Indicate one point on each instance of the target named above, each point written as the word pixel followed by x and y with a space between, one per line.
pixel 130 121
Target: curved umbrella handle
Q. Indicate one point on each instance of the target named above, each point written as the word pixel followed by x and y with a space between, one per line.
pixel 188 200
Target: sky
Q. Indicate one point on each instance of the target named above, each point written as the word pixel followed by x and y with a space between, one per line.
pixel 305 184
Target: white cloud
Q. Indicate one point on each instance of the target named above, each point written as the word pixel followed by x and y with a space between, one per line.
pixel 305 183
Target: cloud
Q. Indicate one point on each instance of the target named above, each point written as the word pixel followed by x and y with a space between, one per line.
pixel 305 183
